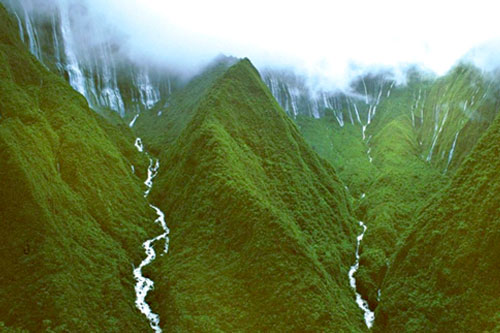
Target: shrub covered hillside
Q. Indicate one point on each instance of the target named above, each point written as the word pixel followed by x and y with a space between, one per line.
pixel 386 174
pixel 445 276
pixel 71 211
pixel 457 108
pixel 389 170
pixel 162 125
pixel 261 230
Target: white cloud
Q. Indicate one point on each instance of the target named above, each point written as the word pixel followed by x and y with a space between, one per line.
pixel 321 38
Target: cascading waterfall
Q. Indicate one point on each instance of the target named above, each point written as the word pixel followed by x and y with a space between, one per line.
pixel 452 149
pixel 144 284
pixel 357 112
pixel 138 145
pixel 34 45
pixel 108 93
pixel 339 116
pixel 350 113
pixel 362 304
pixel 295 97
pixel 414 107
pixel 94 74
pixel 390 88
pixel 148 94
pixel 437 130
pixel 76 78
pixel 20 25
pixel 133 121
pixel 57 48
pixel 366 90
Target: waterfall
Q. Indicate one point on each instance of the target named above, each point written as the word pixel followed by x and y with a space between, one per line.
pixel 20 25
pixel 138 145
pixel 390 88
pixel 34 45
pixel 357 112
pixel 76 78
pixel 366 91
pixel 133 121
pixel 92 70
pixel 57 48
pixel 148 94
pixel 437 130
pixel 362 304
pixel 450 155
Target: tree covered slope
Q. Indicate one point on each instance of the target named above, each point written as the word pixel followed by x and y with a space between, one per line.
pixel 388 169
pixel 263 207
pixel 445 276
pixel 163 124
pixel 72 213
pixel 262 234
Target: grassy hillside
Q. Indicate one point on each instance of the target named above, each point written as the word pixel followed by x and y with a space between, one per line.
pixel 71 210
pixel 262 234
pixel 444 277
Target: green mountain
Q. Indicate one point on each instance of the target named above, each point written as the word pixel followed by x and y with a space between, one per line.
pixel 262 183
pixel 267 231
pixel 390 168
pixel 163 124
pixel 444 276
pixel 72 212
pixel 262 233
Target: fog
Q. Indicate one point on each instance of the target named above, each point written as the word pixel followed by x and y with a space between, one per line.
pixel 328 41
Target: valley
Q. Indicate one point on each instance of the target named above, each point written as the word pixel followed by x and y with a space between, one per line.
pixel 277 207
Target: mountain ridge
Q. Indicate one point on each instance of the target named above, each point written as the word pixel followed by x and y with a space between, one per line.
pixel 230 183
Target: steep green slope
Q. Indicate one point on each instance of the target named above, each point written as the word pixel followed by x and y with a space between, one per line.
pixel 384 171
pixel 161 126
pixel 390 170
pixel 262 234
pixel 445 276
pixel 456 109
pixel 71 211
pixel 400 187
pixel 343 147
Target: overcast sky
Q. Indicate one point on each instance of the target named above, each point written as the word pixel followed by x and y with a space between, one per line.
pixel 322 38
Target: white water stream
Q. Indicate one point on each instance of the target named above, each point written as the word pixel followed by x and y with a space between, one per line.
pixel 143 284
pixel 133 121
pixel 362 304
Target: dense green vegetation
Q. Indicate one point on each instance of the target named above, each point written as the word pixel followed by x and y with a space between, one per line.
pixel 71 211
pixel 262 209
pixel 445 276
pixel 389 190
pixel 162 125
pixel 401 179
pixel 464 102
pixel 343 147
pixel 262 234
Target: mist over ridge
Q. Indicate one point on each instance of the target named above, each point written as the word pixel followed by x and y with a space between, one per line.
pixel 329 44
